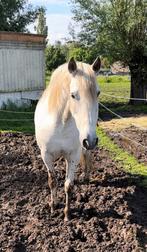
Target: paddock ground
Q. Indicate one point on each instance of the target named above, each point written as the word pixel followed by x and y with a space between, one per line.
pixel 118 124
pixel 108 214
pixel 130 134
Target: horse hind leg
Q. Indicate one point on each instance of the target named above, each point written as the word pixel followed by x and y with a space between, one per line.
pixel 51 179
pixel 86 162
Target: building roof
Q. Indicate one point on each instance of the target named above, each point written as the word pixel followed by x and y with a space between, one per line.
pixel 22 37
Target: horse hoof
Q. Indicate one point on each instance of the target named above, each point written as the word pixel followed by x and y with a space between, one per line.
pixel 66 219
pixel 66 215
pixel 52 211
pixel 52 208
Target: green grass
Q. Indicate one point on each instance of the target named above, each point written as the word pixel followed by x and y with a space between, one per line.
pixel 114 85
pixel 20 122
pixel 17 119
pixel 125 160
pixel 118 86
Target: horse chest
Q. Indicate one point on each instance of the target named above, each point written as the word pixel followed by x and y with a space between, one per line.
pixel 58 139
pixel 65 138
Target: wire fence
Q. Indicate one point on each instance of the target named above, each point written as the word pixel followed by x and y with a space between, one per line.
pixel 101 104
pixel 118 133
pixel 120 117
pixel 122 97
pixel 32 113
pixel 16 112
pixel 17 120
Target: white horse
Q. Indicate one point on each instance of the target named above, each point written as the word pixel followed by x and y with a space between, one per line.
pixel 65 121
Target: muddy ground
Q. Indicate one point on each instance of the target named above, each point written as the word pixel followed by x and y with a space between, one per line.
pixel 108 214
pixel 133 140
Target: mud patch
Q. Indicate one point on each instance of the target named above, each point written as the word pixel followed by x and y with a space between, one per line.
pixel 108 214
pixel 133 140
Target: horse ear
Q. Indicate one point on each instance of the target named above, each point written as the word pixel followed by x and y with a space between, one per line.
pixel 72 66
pixel 96 65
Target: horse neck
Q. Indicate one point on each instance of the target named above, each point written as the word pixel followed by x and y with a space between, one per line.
pixel 66 115
pixel 61 109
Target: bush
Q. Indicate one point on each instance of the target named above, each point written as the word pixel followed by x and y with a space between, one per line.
pixel 54 57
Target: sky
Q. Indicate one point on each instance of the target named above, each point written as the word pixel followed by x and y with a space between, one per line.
pixel 58 18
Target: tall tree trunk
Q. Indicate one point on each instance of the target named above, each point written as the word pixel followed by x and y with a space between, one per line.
pixel 138 90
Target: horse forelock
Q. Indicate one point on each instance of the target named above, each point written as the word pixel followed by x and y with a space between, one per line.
pixel 87 80
pixel 58 90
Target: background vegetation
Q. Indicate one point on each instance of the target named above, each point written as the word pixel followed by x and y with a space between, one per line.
pixel 113 85
pixel 16 15
pixel 113 29
pixel 118 30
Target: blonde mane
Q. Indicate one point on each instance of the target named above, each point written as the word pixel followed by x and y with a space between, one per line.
pixel 59 86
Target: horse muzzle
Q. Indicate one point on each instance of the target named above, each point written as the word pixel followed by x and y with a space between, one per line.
pixel 89 144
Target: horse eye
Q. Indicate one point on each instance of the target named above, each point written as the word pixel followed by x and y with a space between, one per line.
pixel 73 96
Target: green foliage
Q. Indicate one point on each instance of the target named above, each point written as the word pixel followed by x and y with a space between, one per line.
pixel 54 56
pixel 47 78
pixel 105 62
pixel 114 28
pixel 41 27
pixel 15 15
pixel 81 53
pixel 117 29
pixel 58 54
pixel 78 53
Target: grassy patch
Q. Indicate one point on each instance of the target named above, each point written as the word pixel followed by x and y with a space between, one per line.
pixel 127 161
pixel 20 121
pixel 16 118
pixel 118 86
pixel 115 86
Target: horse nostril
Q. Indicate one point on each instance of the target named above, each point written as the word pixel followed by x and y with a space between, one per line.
pixel 96 141
pixel 86 144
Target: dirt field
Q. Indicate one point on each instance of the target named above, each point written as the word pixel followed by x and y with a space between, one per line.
pixel 108 214
pixel 130 134
pixel 133 140
pixel 119 124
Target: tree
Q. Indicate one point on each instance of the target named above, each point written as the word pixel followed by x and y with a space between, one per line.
pixel 41 27
pixel 118 29
pixel 80 52
pixel 54 57
pixel 15 15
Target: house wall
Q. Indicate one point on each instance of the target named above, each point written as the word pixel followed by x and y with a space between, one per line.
pixel 22 66
pixel 19 98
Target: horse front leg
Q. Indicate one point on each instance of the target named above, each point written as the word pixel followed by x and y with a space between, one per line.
pixel 53 188
pixel 71 165
pixel 47 158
